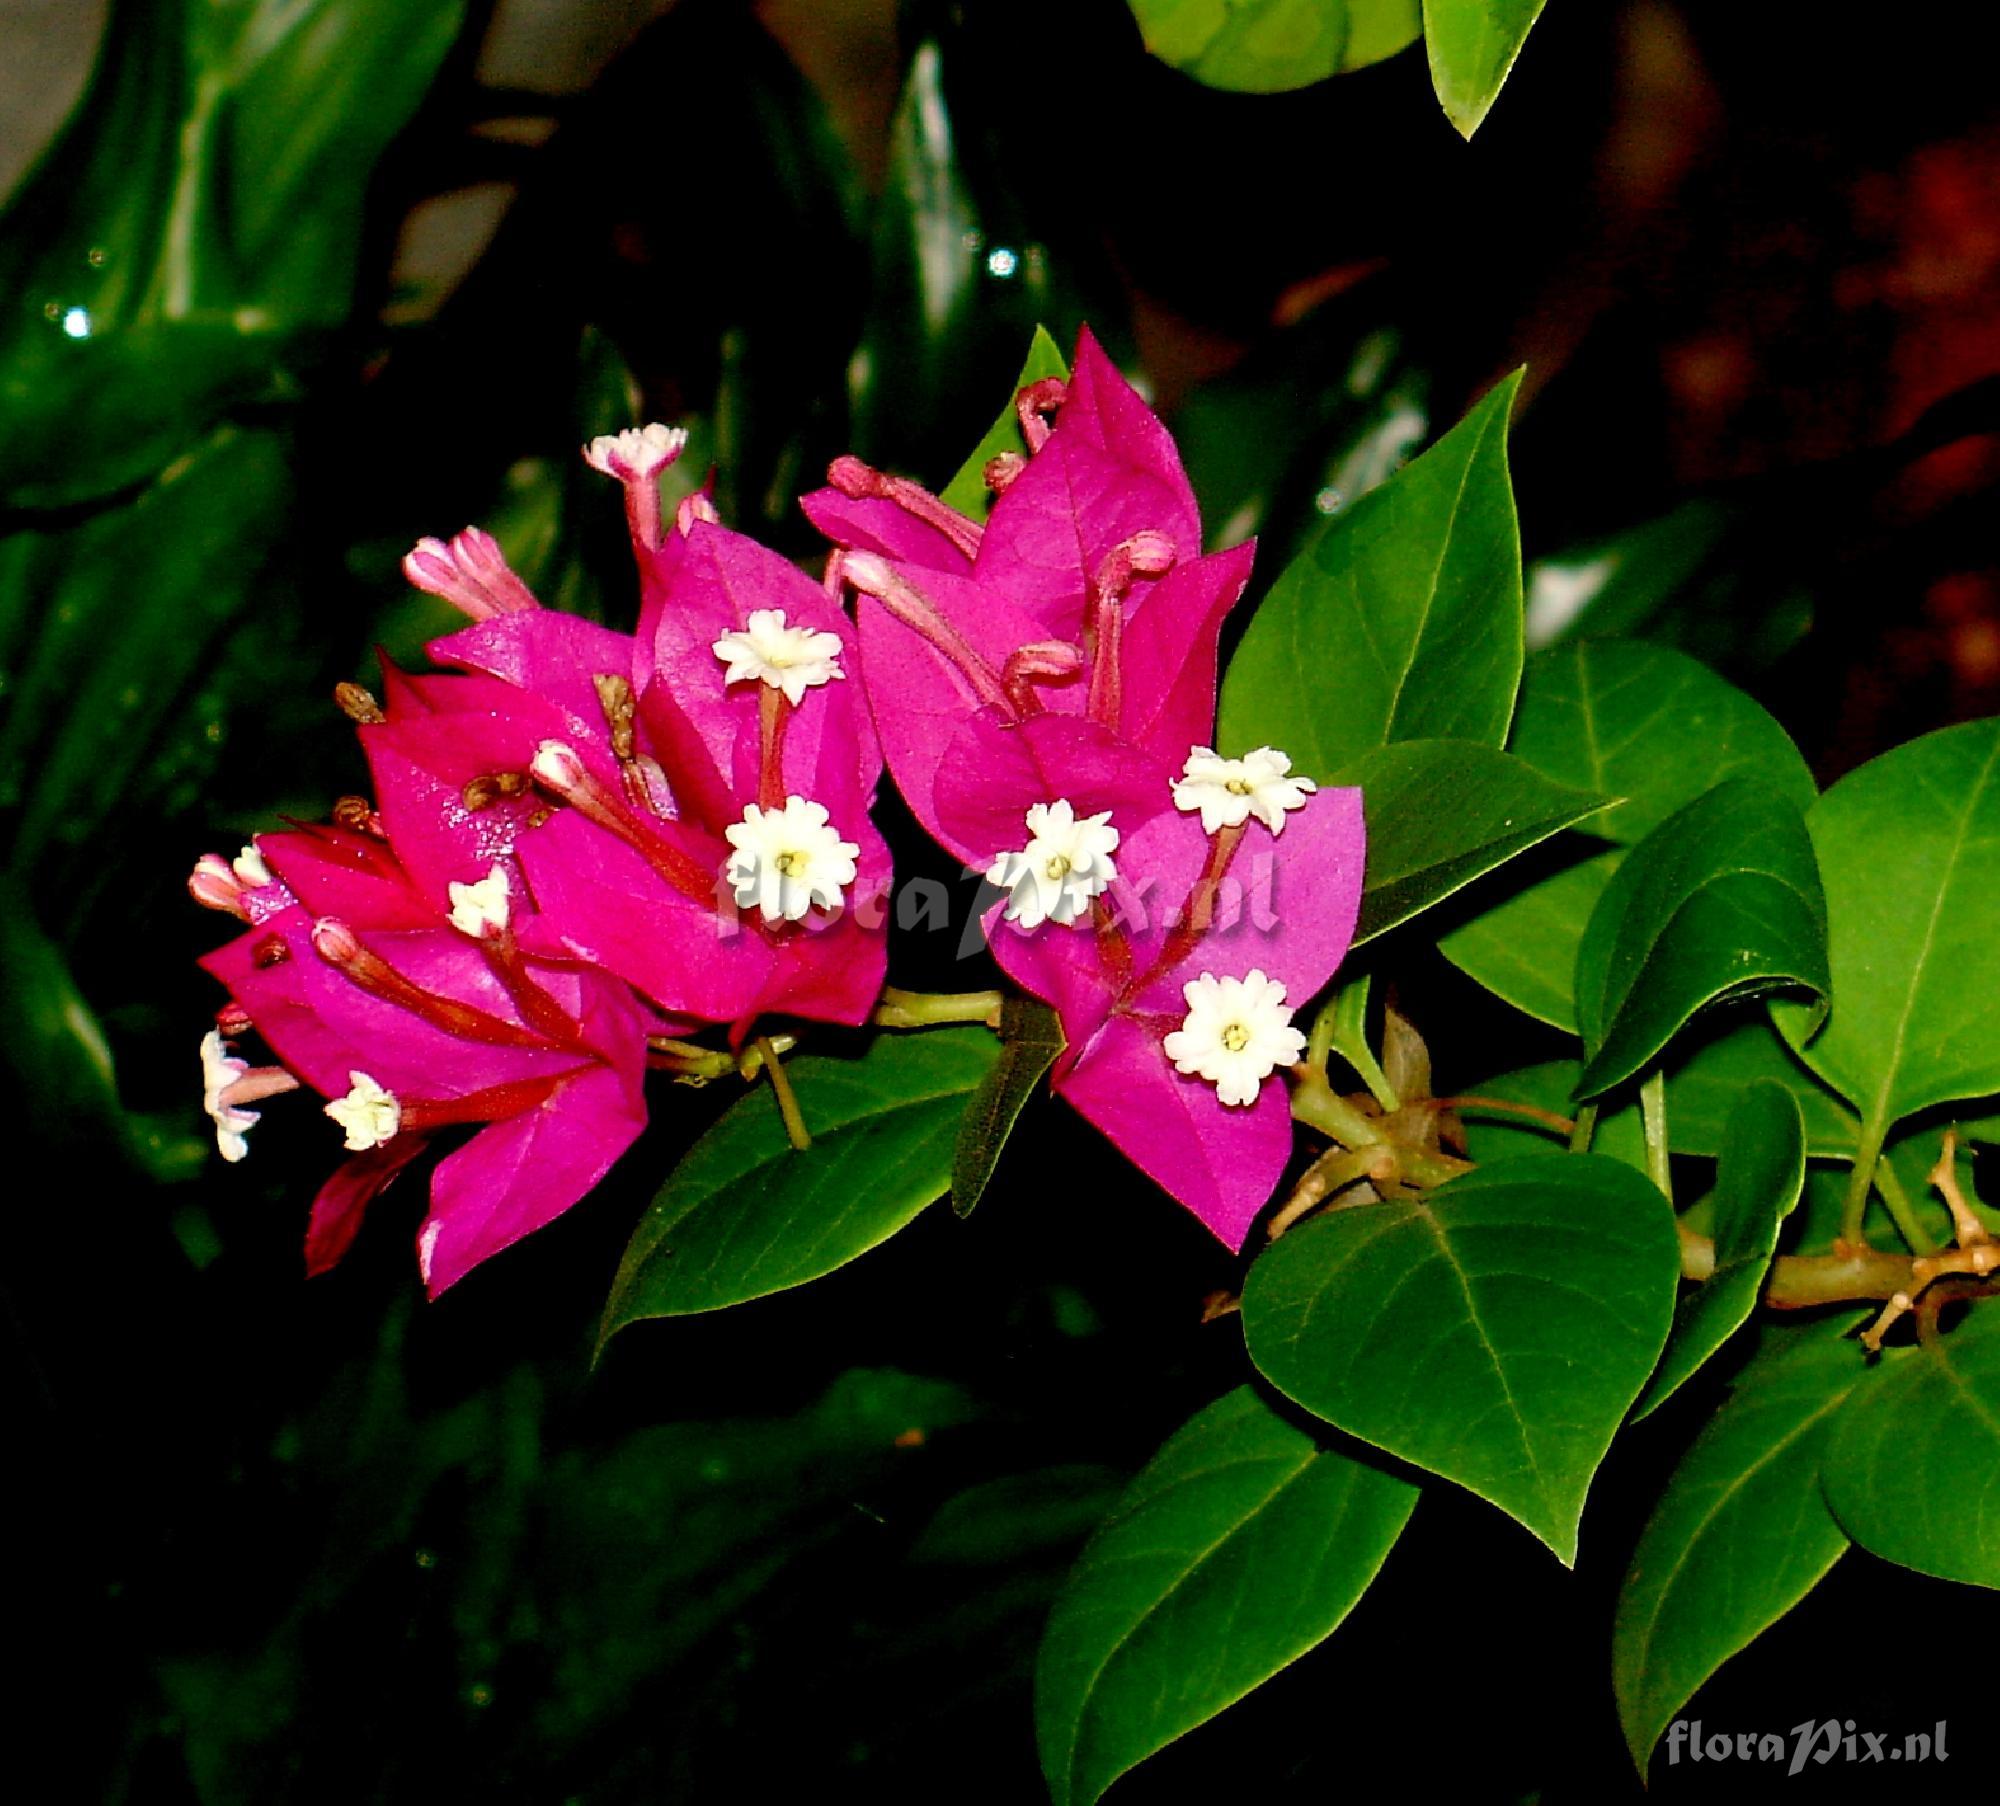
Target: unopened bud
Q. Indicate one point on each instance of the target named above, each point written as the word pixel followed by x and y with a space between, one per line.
pixel 336 943
pixel 557 767
pixel 358 704
pixel 357 815
pixel 1000 473
pixel 214 885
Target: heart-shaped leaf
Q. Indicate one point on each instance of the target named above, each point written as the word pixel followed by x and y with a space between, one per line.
pixel 1440 813
pixel 1639 722
pixel 1267 46
pixel 1912 1471
pixel 1494 1331
pixel 1721 900
pixel 1401 619
pixel 1241 1544
pixel 1472 46
pixel 1909 852
pixel 1757 1183
pixel 746 1214
pixel 1740 1535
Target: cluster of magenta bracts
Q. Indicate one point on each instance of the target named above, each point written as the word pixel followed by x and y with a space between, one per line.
pixel 586 843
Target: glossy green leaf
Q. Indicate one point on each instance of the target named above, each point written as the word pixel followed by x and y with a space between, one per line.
pixel 1913 1474
pixel 1267 46
pixel 967 491
pixel 1550 1086
pixel 1909 851
pixel 1030 1039
pixel 1721 900
pixel 1758 1179
pixel 1472 45
pixel 1705 1081
pixel 1441 812
pixel 1494 1331
pixel 1242 1544
pixel 1400 620
pixel 1639 722
pixel 745 1214
pixel 58 1062
pixel 1740 1535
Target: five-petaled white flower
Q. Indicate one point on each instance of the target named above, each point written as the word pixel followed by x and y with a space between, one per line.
pixel 1237 1032
pixel 791 659
pixel 789 860
pixel 1066 862
pixel 1228 792
pixel 638 452
pixel 220 1070
pixel 369 1114
pixel 482 909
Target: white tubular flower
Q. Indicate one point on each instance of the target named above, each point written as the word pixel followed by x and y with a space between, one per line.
pixel 481 909
pixel 637 453
pixel 369 1114
pixel 219 1070
pixel 1066 862
pixel 1227 792
pixel 1237 1032
pixel 789 860
pixel 250 869
pixel 791 659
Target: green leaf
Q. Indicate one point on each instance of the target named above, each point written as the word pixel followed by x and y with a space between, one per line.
pixel 1757 1183
pixel 1909 851
pixel 1638 722
pixel 59 1062
pixel 1401 619
pixel 1268 46
pixel 1721 900
pixel 1472 46
pixel 1703 1089
pixel 1441 812
pixel 1495 1135
pixel 1494 1331
pixel 1030 1039
pixel 1242 1544
pixel 1911 1473
pixel 1740 1535
pixel 745 1214
pixel 967 491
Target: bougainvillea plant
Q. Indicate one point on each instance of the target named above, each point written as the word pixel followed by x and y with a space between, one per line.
pixel 590 854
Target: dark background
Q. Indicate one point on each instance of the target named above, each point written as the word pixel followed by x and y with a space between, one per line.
pixel 324 1542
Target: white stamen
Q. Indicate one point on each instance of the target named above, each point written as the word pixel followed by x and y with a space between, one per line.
pixel 637 453
pixel 1237 1032
pixel 369 1114
pixel 1066 862
pixel 250 868
pixel 481 909
pixel 791 659
pixel 1228 792
pixel 220 1070
pixel 789 860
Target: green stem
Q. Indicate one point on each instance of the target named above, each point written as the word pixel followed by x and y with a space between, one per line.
pixel 1315 1103
pixel 796 1131
pixel 1320 1043
pixel 1901 1211
pixel 932 1009
pixel 1586 1127
pixel 1363 1061
pixel 1867 1157
pixel 1653 1113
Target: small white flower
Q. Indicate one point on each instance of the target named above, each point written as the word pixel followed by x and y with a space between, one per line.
pixel 369 1114
pixel 219 1070
pixel 792 659
pixel 788 860
pixel 637 453
pixel 1237 1032
pixel 1066 862
pixel 250 869
pixel 481 909
pixel 1228 792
